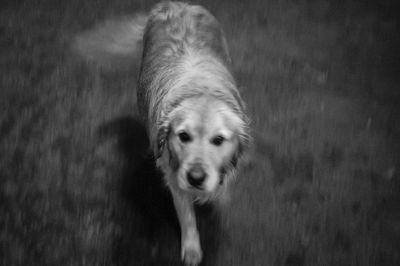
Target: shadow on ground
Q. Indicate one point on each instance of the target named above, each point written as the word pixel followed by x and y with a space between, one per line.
pixel 150 233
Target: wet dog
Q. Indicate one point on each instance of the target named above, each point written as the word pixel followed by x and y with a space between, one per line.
pixel 190 103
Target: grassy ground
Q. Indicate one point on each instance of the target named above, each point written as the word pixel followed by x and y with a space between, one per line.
pixel 322 187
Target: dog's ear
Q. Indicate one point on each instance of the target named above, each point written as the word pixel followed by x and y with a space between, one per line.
pixel 239 158
pixel 162 145
pixel 245 141
pixel 162 136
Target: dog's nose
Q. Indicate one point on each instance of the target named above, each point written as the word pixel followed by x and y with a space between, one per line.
pixel 196 176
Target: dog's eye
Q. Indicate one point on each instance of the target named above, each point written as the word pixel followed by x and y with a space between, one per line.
pixel 184 137
pixel 218 140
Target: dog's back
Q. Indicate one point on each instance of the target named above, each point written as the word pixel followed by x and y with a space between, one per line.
pixel 184 48
pixel 174 26
pixel 174 30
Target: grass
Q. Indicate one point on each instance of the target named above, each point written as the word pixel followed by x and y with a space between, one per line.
pixel 321 188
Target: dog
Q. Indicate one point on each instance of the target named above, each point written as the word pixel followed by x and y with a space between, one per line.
pixel 189 102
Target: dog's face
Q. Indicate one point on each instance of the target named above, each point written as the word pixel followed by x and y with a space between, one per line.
pixel 203 144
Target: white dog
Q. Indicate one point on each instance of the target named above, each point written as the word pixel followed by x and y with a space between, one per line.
pixel 189 100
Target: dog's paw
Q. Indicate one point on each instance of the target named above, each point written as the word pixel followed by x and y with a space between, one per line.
pixel 191 254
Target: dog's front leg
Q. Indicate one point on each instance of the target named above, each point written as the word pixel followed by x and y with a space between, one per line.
pixel 190 241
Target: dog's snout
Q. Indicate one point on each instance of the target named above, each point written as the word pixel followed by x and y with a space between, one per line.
pixel 196 176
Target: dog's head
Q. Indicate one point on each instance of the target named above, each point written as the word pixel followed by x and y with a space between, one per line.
pixel 202 141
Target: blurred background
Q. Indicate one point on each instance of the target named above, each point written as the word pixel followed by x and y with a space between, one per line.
pixel 321 84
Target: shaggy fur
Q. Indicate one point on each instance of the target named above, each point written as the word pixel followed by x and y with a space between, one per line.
pixel 189 101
